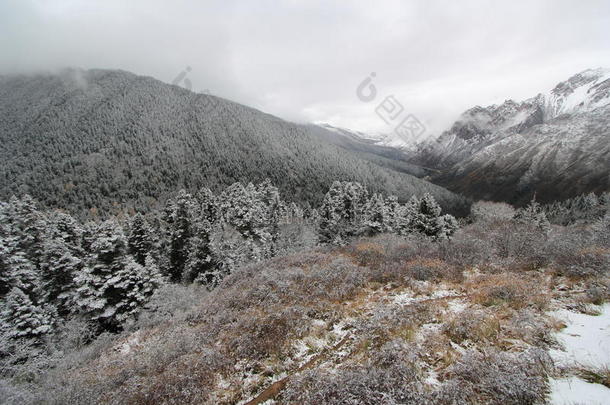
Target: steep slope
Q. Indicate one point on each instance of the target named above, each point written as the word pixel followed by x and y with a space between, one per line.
pixel 95 140
pixel 367 149
pixel 555 144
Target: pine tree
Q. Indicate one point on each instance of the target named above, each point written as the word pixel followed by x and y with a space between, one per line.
pixel 375 216
pixel 140 239
pixel 446 226
pixel 18 270
pixel 179 217
pixel 268 199
pixel 240 209
pixel 64 227
pixel 331 223
pixel 113 286
pixel 208 206
pixel 589 207
pixel 425 220
pixel 27 226
pixel 533 215
pixel 22 318
pixel 201 262
pixel 58 270
pixel 255 212
pixel 405 217
pixel 5 266
pixel 341 212
pixel 392 210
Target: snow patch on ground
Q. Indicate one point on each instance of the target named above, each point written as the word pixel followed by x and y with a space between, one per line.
pixel 403 298
pixel 340 328
pixel 132 342
pixel 573 390
pixel 456 306
pixel 408 297
pixel 432 378
pixel 586 339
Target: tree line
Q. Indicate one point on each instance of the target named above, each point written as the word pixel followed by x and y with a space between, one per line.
pixel 54 267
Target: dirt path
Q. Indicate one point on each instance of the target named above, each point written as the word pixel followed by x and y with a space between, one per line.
pixel 274 389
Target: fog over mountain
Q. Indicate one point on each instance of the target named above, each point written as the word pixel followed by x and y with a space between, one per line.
pixel 102 140
pixel 302 60
pixel 554 145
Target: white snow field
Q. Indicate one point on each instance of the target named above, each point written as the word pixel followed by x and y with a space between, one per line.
pixel 573 390
pixel 586 341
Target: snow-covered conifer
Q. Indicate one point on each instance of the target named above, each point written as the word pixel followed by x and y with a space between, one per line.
pixel 20 317
pixel 140 239
pixel 179 217
pixel 533 215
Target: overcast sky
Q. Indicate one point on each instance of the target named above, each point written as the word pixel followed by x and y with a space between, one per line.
pixel 303 59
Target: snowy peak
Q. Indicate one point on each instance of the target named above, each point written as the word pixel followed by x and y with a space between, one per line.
pixel 584 91
pixel 555 143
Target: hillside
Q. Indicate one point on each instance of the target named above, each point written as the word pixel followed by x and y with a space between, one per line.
pixel 501 314
pixel 555 145
pixel 101 141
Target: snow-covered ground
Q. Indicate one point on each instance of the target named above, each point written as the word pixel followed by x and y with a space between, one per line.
pixel 586 339
pixel 573 390
pixel 586 343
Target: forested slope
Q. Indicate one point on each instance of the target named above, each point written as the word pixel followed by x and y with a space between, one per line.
pixel 102 141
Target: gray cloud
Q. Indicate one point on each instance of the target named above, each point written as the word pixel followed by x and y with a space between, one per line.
pixel 302 60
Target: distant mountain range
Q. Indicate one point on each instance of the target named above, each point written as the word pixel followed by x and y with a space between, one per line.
pixel 101 141
pixel 555 145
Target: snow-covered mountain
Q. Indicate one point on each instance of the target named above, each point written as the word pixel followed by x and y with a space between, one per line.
pixel 98 139
pixel 556 144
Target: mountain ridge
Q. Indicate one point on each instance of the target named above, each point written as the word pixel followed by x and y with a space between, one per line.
pixel 106 140
pixel 553 145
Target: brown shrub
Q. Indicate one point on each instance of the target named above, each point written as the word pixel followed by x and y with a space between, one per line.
pixel 584 263
pixel 473 325
pixel 432 270
pixel 367 253
pixel 509 289
pixel 499 378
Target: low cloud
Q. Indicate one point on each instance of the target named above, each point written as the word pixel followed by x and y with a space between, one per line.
pixel 302 60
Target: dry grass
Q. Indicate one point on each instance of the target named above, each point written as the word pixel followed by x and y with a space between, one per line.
pixel 231 343
pixel 367 253
pixel 598 375
pixel 510 289
pixel 426 269
pixel 475 326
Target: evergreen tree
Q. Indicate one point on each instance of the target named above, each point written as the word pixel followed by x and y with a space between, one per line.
pixel 27 226
pixel 113 286
pixel 179 216
pixel 392 210
pixel 19 271
pixel 238 210
pixel 64 227
pixel 268 199
pixel 58 270
pixel 341 213
pixel 5 270
pixel 447 225
pixel 533 215
pixel 200 264
pixel 376 216
pixel 140 239
pixel 208 206
pixel 22 318
pixel 425 220
pixel 405 217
